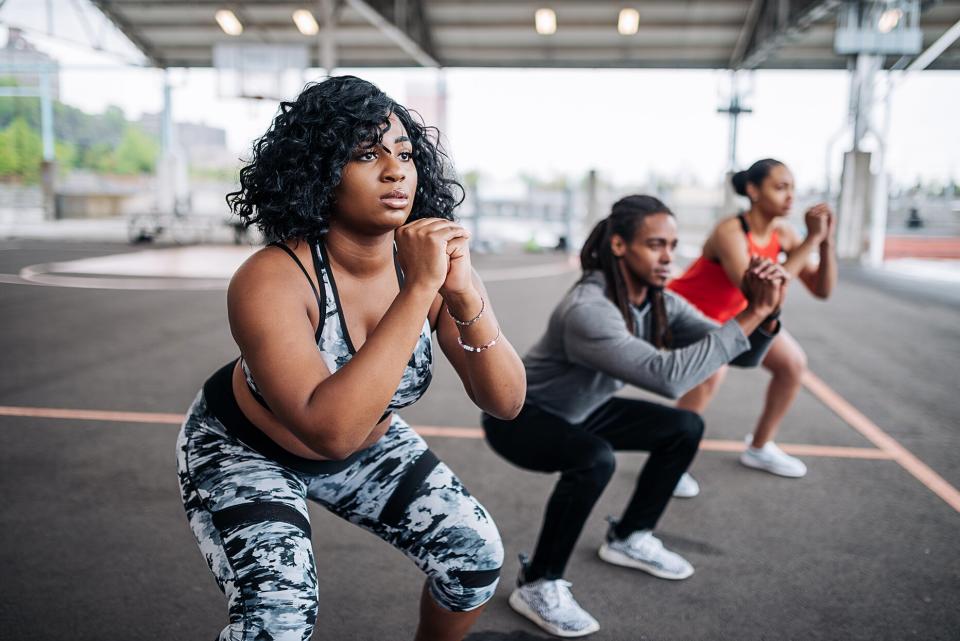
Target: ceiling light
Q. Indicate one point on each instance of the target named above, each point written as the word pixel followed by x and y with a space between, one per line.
pixel 229 22
pixel 546 21
pixel 889 20
pixel 305 22
pixel 629 22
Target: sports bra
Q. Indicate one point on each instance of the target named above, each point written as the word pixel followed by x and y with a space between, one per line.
pixel 333 339
pixel 706 285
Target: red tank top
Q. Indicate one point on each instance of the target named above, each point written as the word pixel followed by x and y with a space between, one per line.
pixel 706 286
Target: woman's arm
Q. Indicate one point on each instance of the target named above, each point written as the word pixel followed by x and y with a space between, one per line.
pixel 822 278
pixel 729 245
pixel 494 377
pixel 799 252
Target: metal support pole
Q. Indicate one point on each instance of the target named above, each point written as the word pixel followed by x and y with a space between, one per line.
pixel 48 166
pixel 857 189
pixel 734 109
pixel 593 206
pixel 328 48
pixel 861 95
pixel 46 115
pixel 442 100
pixel 166 117
pixel 166 198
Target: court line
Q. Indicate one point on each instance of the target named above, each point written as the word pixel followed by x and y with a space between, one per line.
pixel 45 274
pixel 869 430
pixel 709 445
pixel 92 415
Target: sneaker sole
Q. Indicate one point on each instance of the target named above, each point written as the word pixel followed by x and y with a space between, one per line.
pixel 763 468
pixel 520 607
pixel 618 558
pixel 685 495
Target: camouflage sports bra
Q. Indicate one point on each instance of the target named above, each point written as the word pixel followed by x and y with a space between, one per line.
pixel 333 339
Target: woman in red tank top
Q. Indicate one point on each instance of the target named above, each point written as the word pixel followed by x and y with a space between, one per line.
pixel 712 283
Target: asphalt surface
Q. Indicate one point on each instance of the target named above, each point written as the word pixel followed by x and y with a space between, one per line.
pixel 95 544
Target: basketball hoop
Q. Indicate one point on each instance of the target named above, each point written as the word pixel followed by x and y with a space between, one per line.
pixel 259 71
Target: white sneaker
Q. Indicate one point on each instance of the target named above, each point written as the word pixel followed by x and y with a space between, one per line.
pixel 550 604
pixel 771 458
pixel 687 487
pixel 643 551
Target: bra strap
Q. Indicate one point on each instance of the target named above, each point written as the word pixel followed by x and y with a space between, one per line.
pixel 744 225
pixel 293 255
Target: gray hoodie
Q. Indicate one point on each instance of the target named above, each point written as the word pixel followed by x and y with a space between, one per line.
pixel 587 352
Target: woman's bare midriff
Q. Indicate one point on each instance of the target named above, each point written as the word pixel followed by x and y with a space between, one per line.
pixel 280 434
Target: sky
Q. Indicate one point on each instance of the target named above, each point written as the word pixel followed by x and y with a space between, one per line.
pixel 626 124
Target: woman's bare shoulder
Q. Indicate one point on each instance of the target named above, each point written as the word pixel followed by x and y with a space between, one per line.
pixel 727 230
pixel 269 274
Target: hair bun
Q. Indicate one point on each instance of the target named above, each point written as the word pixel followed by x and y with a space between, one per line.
pixel 739 181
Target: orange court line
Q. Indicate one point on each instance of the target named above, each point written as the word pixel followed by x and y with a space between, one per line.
pixel 92 415
pixel 853 417
pixel 709 445
pixel 832 451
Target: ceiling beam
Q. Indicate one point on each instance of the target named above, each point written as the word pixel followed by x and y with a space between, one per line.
pixel 778 22
pixel 418 50
pixel 933 51
pixel 747 33
pixel 108 9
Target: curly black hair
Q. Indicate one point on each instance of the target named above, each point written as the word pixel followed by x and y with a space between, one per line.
pixel 287 188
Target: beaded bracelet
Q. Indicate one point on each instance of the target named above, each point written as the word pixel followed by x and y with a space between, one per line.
pixel 483 305
pixel 480 348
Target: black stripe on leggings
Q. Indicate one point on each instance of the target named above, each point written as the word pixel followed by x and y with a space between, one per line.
pixel 400 500
pixel 260 512
pixel 476 578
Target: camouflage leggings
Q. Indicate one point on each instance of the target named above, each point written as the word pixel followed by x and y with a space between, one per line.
pixel 249 515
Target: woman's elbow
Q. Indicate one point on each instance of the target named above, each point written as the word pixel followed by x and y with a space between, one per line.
pixel 507 411
pixel 330 443
pixel 506 405
pixel 331 449
pixel 506 402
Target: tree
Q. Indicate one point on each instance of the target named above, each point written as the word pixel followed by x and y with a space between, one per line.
pixel 136 153
pixel 21 151
pixel 105 143
pixel 9 158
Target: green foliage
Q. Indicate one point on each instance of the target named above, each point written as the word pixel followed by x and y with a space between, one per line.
pixel 136 153
pixel 104 143
pixel 20 151
pixel 66 155
pixel 225 174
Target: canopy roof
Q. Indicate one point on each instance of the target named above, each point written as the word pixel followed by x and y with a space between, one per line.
pixel 716 34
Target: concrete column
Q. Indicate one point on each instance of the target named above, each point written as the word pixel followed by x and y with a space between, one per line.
pixel 328 47
pixel 48 166
pixel 856 185
pixel 173 186
pixel 592 205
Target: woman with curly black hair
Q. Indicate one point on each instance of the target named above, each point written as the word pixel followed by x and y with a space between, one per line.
pixel 333 320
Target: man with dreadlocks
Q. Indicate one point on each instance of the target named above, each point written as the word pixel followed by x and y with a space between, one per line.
pixel 617 325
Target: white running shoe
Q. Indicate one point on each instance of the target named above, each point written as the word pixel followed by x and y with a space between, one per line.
pixel 643 551
pixel 550 604
pixel 687 487
pixel 771 458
